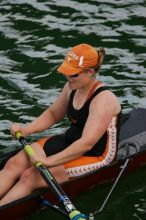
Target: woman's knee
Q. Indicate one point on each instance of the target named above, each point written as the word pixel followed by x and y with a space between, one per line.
pixel 16 163
pixel 31 177
pixel 28 177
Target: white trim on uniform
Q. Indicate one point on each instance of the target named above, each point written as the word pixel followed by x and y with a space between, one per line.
pixel 111 149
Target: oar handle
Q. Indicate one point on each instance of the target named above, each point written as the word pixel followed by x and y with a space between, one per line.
pixel 51 182
pixel 28 149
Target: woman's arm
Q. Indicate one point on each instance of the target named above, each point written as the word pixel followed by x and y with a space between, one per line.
pixel 102 109
pixel 49 117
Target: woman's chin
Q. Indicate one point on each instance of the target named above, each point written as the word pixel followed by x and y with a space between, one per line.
pixel 71 86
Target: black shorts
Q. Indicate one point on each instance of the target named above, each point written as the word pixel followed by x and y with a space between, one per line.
pixel 53 145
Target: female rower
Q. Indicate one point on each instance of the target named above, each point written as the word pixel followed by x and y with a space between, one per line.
pixel 88 144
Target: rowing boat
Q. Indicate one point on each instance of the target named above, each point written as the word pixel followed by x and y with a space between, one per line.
pixel 132 144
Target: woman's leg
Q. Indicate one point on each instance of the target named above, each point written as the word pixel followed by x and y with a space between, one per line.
pixel 15 166
pixel 31 180
pixel 12 170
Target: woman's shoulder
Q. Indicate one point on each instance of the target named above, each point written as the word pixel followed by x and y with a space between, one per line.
pixel 106 98
pixel 102 90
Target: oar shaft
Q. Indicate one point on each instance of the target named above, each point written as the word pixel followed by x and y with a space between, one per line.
pixel 51 182
pixel 53 185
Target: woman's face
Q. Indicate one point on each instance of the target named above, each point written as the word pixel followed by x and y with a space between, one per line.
pixel 81 80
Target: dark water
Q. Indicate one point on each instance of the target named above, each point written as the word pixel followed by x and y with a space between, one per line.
pixel 35 36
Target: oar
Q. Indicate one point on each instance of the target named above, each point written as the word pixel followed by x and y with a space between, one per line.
pixel 51 182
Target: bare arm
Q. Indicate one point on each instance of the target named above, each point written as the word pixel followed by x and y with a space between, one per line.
pixel 49 117
pixel 101 111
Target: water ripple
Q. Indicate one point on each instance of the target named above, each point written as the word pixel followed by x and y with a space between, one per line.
pixel 36 34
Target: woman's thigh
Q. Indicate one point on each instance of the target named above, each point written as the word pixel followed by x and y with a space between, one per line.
pixel 21 161
pixel 32 176
pixel 18 162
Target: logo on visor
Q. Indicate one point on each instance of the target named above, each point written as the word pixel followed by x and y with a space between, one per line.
pixel 78 61
pixel 81 61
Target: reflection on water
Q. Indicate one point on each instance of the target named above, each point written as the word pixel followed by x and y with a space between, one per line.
pixel 36 34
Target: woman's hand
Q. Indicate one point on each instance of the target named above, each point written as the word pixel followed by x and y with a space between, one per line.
pixel 47 161
pixel 16 127
pixel 35 158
